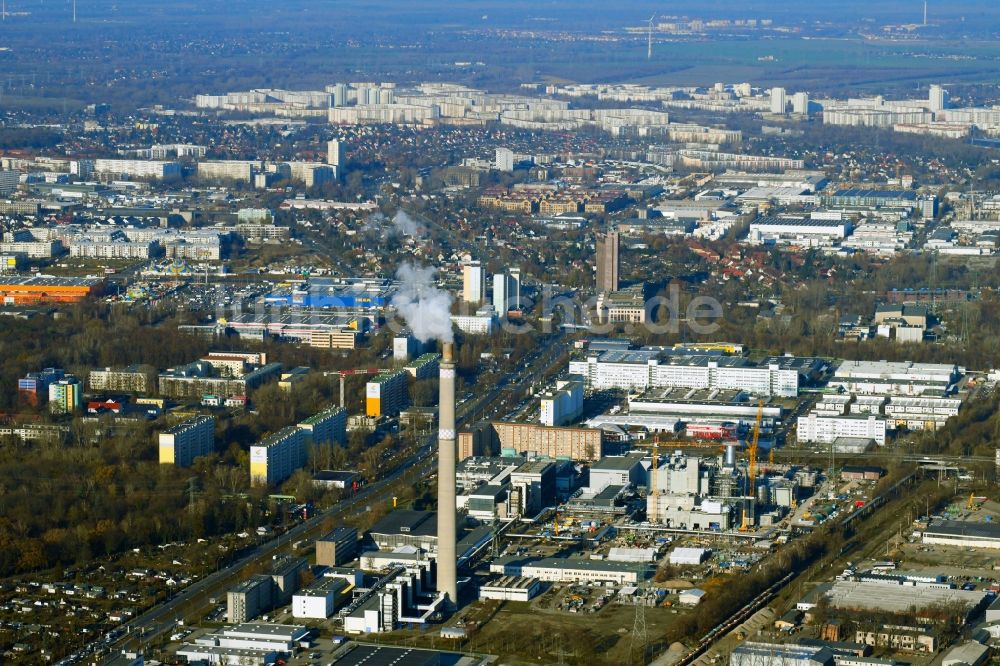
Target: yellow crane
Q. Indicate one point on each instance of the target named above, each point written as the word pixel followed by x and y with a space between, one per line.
pixel 752 463
pixel 752 450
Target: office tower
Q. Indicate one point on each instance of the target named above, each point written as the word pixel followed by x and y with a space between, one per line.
pixel 473 282
pixel 607 262
pixel 778 100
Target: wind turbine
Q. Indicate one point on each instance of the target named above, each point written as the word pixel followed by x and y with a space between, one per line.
pixel 649 39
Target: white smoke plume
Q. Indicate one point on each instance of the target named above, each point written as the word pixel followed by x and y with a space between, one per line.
pixel 406 225
pixel 425 308
pixel 373 224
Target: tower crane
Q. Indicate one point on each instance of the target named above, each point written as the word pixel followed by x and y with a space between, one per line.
pixel 752 462
pixel 752 450
pixel 649 39
pixel 357 371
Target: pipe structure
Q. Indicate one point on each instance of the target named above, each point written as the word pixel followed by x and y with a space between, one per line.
pixel 447 565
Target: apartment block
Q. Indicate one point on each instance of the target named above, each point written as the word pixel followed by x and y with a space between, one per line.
pixel 277 457
pixel 387 393
pixel 132 379
pixel 184 442
pixel 327 427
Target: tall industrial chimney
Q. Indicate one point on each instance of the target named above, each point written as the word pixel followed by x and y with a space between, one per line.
pixel 447 565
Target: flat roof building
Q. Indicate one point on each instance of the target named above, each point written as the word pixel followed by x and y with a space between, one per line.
pixel 558 570
pixel 965 534
pixel 387 393
pixel 277 457
pixel 184 442
pixel 336 547
pixel 864 597
pixel 327 427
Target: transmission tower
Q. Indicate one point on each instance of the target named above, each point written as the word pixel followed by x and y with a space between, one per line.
pixel 639 636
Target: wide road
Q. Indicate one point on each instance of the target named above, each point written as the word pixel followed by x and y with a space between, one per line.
pixel 421 464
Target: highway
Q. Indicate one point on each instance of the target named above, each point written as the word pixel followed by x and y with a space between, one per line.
pixel 163 617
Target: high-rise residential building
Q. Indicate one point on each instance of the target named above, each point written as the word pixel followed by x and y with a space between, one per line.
pixel 9 180
pixel 335 154
pixel 406 346
pixel 506 292
pixel 277 457
pixel 800 103
pixel 564 404
pixel 607 262
pixel 938 98
pixel 515 290
pixel 778 100
pixel 473 282
pixel 339 94
pixel 311 174
pixel 387 393
pixel 184 442
pixel 65 395
pixel 327 427
pixel 504 159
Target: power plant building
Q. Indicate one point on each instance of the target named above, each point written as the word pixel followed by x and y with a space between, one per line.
pixel 337 547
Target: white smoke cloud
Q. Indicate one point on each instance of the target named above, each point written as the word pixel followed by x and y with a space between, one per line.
pixel 373 224
pixel 406 225
pixel 425 308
